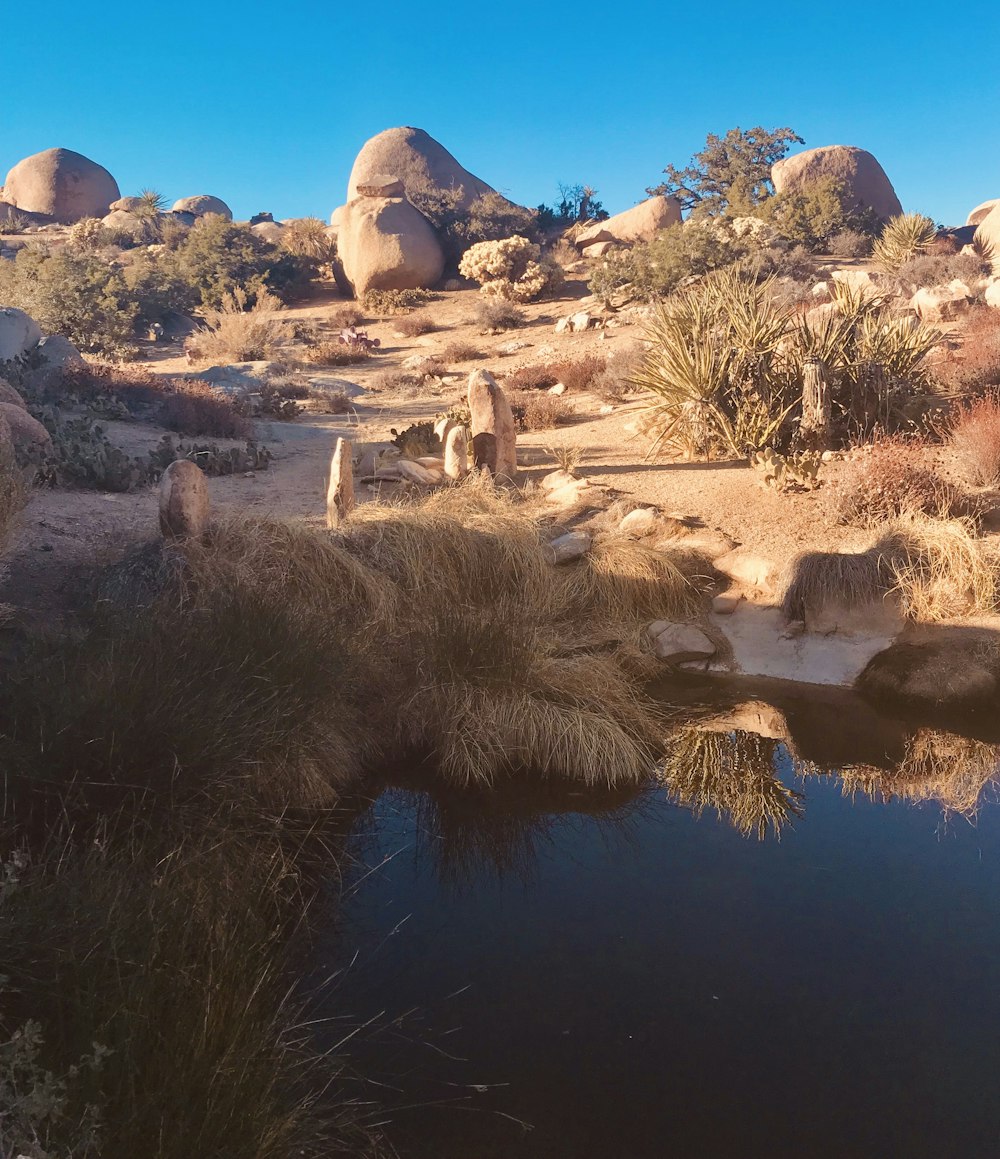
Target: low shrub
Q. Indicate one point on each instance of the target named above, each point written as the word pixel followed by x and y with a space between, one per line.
pixel 617 379
pixel 335 353
pixel 537 411
pixel 495 315
pixel 977 365
pixel 195 408
pixel 489 217
pixel 512 268
pixel 888 479
pixel 813 216
pixel 413 325
pixel 386 303
pixel 850 243
pixel 531 378
pixel 346 316
pixel 938 270
pixel 975 439
pixel 238 331
pixel 578 374
pixel 461 351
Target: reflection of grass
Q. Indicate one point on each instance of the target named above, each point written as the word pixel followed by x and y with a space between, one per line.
pixel 732 773
pixel 953 771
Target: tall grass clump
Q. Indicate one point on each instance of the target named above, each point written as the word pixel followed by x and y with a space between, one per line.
pixel 903 237
pixel 236 331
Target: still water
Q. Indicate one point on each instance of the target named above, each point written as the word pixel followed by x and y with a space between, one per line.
pixel 774 948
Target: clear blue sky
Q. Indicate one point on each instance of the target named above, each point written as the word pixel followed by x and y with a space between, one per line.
pixel 266 104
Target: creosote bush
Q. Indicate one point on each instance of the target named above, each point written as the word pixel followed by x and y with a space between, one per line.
pixel 537 410
pixel 386 303
pixel 413 325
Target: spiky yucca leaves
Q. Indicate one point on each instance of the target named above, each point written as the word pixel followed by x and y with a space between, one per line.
pixel 732 773
pixel 903 238
pixel 715 361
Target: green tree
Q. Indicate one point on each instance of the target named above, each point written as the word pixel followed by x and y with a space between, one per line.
pixel 732 174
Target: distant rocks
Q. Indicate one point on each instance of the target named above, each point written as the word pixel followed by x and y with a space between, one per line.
pixel 63 185
pixel 201 205
pixel 641 223
pixel 856 169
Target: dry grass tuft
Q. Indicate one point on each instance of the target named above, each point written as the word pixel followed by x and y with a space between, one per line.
pixel 195 408
pixel 461 351
pixel 413 325
pixel 234 333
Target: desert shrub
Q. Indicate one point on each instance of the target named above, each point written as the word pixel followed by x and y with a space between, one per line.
pixel 461 351
pixel 512 268
pixel 577 374
pixel 563 252
pixel 903 238
pixel 432 364
pixel 938 270
pixel 413 325
pixel 814 215
pixel 13 221
pixel 306 237
pixel 346 316
pixel 74 294
pixel 158 288
pixel 617 379
pixel 975 439
pixel 850 243
pixel 240 331
pixel 391 380
pixel 195 408
pixel 536 410
pixel 531 378
pixel 495 315
pixel 977 366
pixel 217 256
pixel 13 495
pixel 887 479
pixel 88 234
pixel 796 262
pixel 385 303
pixel 489 217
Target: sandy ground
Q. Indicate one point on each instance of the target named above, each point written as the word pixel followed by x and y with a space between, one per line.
pixel 61 528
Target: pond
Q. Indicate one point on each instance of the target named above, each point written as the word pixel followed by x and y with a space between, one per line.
pixel 781 947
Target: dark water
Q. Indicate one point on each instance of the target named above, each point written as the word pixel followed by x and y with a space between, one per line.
pixel 580 975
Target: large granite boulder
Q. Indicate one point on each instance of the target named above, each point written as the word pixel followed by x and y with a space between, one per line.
pixel 981 211
pixel 19 333
pixel 62 185
pixel 385 243
pixel 415 158
pixel 640 223
pixel 201 205
pixel 856 169
pixel 988 236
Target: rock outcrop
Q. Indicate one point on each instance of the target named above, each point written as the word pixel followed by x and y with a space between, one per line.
pixel 640 223
pixel 988 236
pixel 63 185
pixel 981 211
pixel 857 170
pixel 413 157
pixel 385 243
pixel 202 204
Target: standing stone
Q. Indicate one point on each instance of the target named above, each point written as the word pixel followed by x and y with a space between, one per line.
pixel 183 501
pixel 456 453
pixel 493 437
pixel 340 491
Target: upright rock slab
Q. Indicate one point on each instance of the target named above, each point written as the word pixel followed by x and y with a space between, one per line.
pixel 494 442
pixel 340 489
pixel 456 453
pixel 184 505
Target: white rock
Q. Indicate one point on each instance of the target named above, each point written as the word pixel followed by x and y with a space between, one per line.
pixel 749 569
pixel 558 388
pixel 991 295
pixel 677 643
pixel 571 546
pixel 639 523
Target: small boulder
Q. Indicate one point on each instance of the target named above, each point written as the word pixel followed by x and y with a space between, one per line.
pixel 958 672
pixel 269 230
pixel 58 353
pixel 19 333
pixel 381 185
pixel 569 547
pixel 680 643
pixel 26 432
pixel 456 453
pixel 991 295
pixel 201 205
pixel 184 504
pixel 748 569
pixel 639 523
pixel 10 396
pixel 942 303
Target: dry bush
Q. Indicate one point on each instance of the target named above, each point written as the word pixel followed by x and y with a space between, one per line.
pixel 564 253
pixel 133 385
pixel 578 374
pixel 531 378
pixel 939 270
pixel 346 317
pixel 975 439
pixel 413 325
pixel 389 302
pixel 336 353
pixel 887 479
pixel 850 243
pixel 495 315
pixel 461 351
pixel 391 380
pixel 13 495
pixel 236 334
pixel 977 366
pixel 536 410
pixel 617 379
pixel 195 408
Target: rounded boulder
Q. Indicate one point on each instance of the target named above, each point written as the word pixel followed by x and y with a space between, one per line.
pixel 61 184
pixel 640 223
pixel 385 243
pixel 982 211
pixel 201 205
pixel 856 169
pixel 987 236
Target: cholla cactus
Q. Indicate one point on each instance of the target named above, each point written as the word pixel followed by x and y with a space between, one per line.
pixel 87 234
pixel 511 268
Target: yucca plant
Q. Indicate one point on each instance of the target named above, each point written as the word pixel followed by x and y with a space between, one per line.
pixel 903 238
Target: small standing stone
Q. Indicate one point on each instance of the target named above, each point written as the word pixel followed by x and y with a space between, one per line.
pixel 456 453
pixel 183 501
pixel 340 491
pixel 493 438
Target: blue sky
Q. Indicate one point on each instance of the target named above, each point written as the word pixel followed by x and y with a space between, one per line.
pixel 266 105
